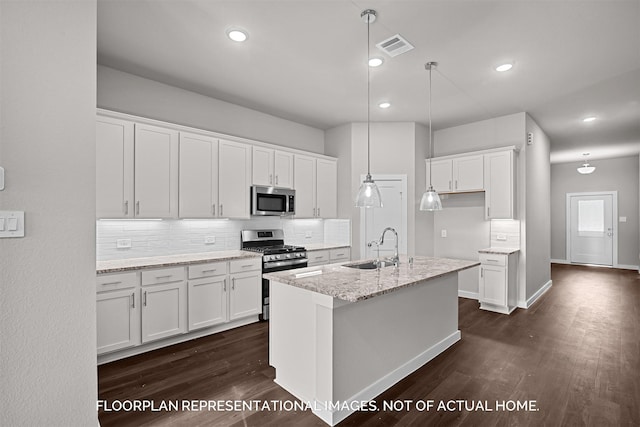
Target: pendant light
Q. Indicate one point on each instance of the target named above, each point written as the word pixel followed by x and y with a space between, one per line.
pixel 368 194
pixel 586 169
pixel 430 199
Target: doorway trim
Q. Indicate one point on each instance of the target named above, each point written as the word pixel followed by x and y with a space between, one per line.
pixel 382 177
pixel 614 195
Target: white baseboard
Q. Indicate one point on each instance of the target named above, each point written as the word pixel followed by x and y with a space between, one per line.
pixel 628 267
pixel 529 302
pixel 620 266
pixel 559 261
pixel 333 417
pixel 467 294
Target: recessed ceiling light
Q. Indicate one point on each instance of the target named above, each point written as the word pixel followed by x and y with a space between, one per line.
pixel 384 104
pixel 375 62
pixel 588 119
pixel 504 67
pixel 237 35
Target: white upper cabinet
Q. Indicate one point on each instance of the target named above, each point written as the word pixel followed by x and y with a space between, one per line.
pixel 304 184
pixel 459 174
pixel 316 185
pixel 272 167
pixel 468 173
pixel 156 172
pixel 198 179
pixel 283 169
pixel 441 175
pixel 326 188
pixel 234 179
pixel 114 168
pixel 499 180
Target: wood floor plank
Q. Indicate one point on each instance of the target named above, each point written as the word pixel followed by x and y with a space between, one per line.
pixel 576 353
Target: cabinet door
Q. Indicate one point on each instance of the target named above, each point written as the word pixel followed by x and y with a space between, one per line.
pixel 317 258
pixel 441 175
pixel 326 188
pixel 499 185
pixel 304 170
pixel 207 302
pixel 493 285
pixel 156 172
pixel 164 310
pixel 118 319
pixel 262 166
pixel 246 295
pixel 283 169
pixel 468 173
pixel 234 172
pixel 114 168
pixel 198 177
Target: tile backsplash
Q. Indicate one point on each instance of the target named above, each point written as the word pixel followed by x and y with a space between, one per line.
pixel 168 237
pixel 505 233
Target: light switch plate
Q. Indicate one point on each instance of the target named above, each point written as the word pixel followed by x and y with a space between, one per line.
pixel 623 219
pixel 209 240
pixel 501 237
pixel 308 235
pixel 443 233
pixel 13 224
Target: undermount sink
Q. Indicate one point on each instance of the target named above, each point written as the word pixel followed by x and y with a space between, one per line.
pixel 369 265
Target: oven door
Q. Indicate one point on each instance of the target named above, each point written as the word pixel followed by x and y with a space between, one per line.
pixel 265 283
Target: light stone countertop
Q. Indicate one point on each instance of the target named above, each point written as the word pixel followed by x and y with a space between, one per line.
pixel 119 265
pixel 499 251
pixel 352 284
pixel 323 246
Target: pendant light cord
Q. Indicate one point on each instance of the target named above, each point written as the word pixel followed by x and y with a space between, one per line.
pixel 430 131
pixel 368 99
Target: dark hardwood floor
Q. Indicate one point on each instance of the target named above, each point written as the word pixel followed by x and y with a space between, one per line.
pixel 576 353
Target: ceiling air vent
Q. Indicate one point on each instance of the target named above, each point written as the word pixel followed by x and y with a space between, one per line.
pixel 395 45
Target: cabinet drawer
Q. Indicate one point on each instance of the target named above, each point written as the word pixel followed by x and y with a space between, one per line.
pixel 165 275
pixel 246 264
pixel 340 254
pixel 207 270
pixel 493 259
pixel 318 257
pixel 110 282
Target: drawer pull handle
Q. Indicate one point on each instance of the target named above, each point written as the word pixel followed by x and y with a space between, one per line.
pixel 166 276
pixel 112 283
pixel 493 260
pixel 247 266
pixel 210 271
pixel 339 254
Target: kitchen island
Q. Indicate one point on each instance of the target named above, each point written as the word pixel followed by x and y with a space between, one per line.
pixel 340 336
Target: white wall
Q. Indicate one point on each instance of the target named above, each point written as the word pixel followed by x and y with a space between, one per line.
pixel 610 175
pixel 126 93
pixel 338 144
pixel 47 278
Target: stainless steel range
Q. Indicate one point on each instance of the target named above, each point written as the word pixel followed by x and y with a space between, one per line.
pixel 276 256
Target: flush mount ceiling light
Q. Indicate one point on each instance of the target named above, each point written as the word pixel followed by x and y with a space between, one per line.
pixel 589 119
pixel 237 35
pixel 368 195
pixel 585 169
pixel 504 67
pixel 430 199
pixel 375 62
pixel 384 105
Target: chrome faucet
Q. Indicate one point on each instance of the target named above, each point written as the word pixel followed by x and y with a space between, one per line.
pixel 395 259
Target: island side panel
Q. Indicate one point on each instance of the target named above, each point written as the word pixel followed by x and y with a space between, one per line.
pixel 377 342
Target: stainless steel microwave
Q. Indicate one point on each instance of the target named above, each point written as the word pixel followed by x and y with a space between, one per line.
pixel 272 201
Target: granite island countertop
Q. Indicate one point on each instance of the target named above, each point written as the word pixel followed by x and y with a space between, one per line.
pixel 352 284
pixel 498 251
pixel 120 265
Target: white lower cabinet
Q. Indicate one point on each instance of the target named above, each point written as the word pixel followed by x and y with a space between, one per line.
pixel 317 258
pixel 164 304
pixel 498 282
pixel 339 255
pixel 328 256
pixel 246 294
pixel 207 295
pixel 117 312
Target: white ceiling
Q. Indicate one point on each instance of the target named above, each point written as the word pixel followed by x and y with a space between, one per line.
pixel 305 61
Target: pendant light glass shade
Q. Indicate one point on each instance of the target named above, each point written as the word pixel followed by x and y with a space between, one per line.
pixel 430 198
pixel 430 201
pixel 368 195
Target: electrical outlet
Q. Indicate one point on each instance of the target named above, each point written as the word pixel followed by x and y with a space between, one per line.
pixel 623 219
pixel 123 243
pixel 308 235
pixel 501 237
pixel 443 233
pixel 209 240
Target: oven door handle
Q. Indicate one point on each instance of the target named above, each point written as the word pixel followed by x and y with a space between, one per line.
pixel 277 264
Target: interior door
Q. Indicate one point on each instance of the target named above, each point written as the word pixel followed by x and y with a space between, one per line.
pixel 591 229
pixel 391 214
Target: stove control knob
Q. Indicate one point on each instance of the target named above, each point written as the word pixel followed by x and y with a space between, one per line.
pixel 288 255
